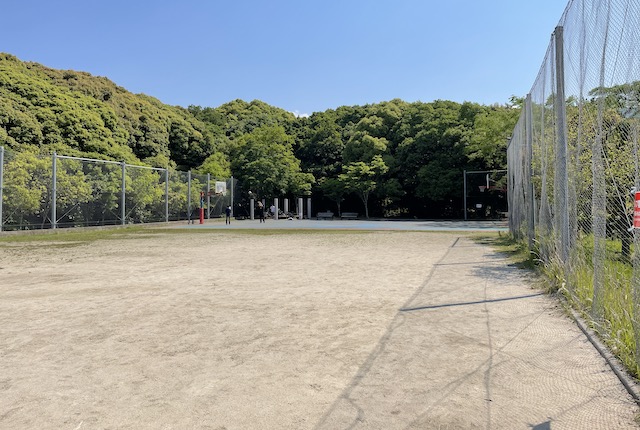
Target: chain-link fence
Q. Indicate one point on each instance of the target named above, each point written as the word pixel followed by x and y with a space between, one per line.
pixel 41 192
pixel 573 166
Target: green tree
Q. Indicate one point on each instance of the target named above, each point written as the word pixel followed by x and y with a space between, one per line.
pixel 364 147
pixel 433 147
pixel 487 141
pixel 74 113
pixel 333 189
pixel 217 165
pixel 242 118
pixel 361 178
pixel 189 147
pixel 263 162
pixel 320 145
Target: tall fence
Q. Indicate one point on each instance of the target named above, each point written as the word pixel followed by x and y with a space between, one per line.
pixel 573 166
pixel 57 191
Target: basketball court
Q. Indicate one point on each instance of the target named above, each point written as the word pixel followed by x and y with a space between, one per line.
pixel 356 224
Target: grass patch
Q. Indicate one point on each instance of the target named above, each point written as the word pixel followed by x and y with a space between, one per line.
pixel 517 251
pixel 73 235
pixel 614 321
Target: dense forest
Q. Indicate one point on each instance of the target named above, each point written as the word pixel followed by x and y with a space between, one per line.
pixel 390 159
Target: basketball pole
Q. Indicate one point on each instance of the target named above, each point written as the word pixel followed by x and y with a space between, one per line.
pixel 465 195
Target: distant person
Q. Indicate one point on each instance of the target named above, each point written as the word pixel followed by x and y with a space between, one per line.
pixel 227 212
pixel 272 211
pixel 261 211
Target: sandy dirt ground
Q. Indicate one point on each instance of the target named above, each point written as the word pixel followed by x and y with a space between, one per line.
pixel 375 330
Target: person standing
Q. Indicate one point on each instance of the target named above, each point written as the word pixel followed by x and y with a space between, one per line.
pixel 261 211
pixel 227 212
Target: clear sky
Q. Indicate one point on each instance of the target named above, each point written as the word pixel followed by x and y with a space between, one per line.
pixel 300 55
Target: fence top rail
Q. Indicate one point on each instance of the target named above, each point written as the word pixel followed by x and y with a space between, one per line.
pixel 94 160
pixel 159 169
pixel 486 171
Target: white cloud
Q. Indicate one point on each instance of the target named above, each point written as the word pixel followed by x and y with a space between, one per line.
pixel 300 115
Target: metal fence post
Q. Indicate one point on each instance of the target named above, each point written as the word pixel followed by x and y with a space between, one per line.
pixel 1 184
pixel 189 197
pixel 530 201
pixel 166 194
pixel 123 212
pixel 562 172
pixel 208 195
pixel 54 168
pixel 510 193
pixel 232 202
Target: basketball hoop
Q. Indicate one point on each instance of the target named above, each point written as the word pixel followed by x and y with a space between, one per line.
pixel 482 188
pixel 221 188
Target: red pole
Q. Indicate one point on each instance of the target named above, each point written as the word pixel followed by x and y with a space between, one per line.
pixel 201 207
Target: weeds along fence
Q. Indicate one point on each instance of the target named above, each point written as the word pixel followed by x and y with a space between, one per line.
pixel 573 167
pixel 57 191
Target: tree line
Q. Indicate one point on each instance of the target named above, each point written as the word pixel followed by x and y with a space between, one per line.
pixel 391 159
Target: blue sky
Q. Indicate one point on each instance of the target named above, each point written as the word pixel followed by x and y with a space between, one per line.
pixel 302 56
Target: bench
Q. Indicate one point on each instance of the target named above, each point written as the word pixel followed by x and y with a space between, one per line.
pixel 324 215
pixel 349 215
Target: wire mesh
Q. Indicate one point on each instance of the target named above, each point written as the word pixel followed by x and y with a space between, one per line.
pixel 584 117
pixel 90 192
pixel 145 195
pixel 26 191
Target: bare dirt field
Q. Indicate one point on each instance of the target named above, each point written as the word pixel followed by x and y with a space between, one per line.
pixel 294 330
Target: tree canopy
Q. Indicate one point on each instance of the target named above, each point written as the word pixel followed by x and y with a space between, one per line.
pixel 264 163
pixel 389 159
pixel 79 114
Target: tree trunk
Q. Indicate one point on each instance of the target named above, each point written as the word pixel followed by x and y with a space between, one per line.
pixel 365 200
